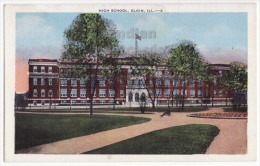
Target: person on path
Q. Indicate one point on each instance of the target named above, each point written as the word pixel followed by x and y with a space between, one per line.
pixel 167 112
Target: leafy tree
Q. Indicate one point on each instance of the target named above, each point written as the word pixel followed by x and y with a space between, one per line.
pixel 187 64
pixel 235 80
pixel 148 65
pixel 88 43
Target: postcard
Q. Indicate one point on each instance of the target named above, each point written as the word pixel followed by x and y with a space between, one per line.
pixel 130 82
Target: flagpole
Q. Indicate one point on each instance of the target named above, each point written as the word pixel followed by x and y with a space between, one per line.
pixel 135 46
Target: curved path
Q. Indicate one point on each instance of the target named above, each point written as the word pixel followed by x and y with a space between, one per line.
pixel 232 138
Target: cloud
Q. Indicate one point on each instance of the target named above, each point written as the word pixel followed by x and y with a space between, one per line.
pixel 224 55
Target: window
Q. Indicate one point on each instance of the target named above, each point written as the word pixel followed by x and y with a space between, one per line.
pixel 35 93
pixel 50 81
pixel 182 91
pixel 49 69
pixel 111 101
pixel 122 93
pixel 34 102
pixel 137 97
pixel 94 101
pixel 63 92
pixel 83 92
pixel 73 101
pixel 42 81
pixel 200 83
pixel 200 93
pixel 43 93
pixel 175 83
pixel 159 83
pixel 63 82
pixel 142 82
pixel 34 81
pixel 136 82
pixel 167 83
pixel 215 82
pixel 63 101
pixel 220 93
pixel 122 82
pixel 102 83
pixel 73 82
pixel 175 92
pixel 102 93
pixel 183 83
pixel 192 83
pixel 50 94
pixel 207 93
pixel 35 69
pixel 83 102
pixel 130 97
pixel 42 69
pixel 111 92
pixel 42 102
pixel 151 83
pixel 82 83
pixel 192 93
pixel 167 92
pixel 158 92
pixel 73 93
pixel 102 101
pixel 215 92
pixel 95 93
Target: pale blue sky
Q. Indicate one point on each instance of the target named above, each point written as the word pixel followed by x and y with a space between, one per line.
pixel 41 34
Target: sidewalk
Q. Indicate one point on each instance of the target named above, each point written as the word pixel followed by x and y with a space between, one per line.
pixel 227 142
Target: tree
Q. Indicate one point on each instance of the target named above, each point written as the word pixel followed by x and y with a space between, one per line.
pixel 88 43
pixel 187 64
pixel 148 65
pixel 236 79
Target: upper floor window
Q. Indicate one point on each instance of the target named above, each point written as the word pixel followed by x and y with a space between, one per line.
pixel 122 93
pixel 175 92
pixel 122 82
pixel 35 69
pixel 220 93
pixel 83 92
pixel 82 83
pixel 184 92
pixel 175 83
pixel 183 83
pixel 167 92
pixel 63 92
pixel 102 83
pixel 50 69
pixel 192 83
pixel 167 83
pixel 63 82
pixel 43 93
pixel 73 93
pixel 192 93
pixel 35 93
pixel 50 94
pixel 73 82
pixel 34 81
pixel 102 93
pixel 200 83
pixel 42 81
pixel 200 93
pixel 42 69
pixel 111 92
pixel 158 92
pixel 50 81
pixel 159 83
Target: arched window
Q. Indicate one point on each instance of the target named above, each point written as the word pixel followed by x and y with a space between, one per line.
pixel 143 97
pixel 137 97
pixel 130 97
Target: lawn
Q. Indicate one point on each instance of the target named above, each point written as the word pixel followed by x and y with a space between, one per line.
pixel 186 139
pixel 36 129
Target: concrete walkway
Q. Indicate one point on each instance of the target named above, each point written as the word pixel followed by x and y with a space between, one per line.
pixel 232 138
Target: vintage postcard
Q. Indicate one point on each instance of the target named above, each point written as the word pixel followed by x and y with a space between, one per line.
pixel 130 82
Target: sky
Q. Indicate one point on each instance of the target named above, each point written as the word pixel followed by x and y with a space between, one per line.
pixel 220 37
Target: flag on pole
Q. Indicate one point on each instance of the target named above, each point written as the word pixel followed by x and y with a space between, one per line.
pixel 137 37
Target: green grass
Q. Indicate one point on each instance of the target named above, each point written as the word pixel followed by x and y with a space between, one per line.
pixel 187 139
pixel 36 129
